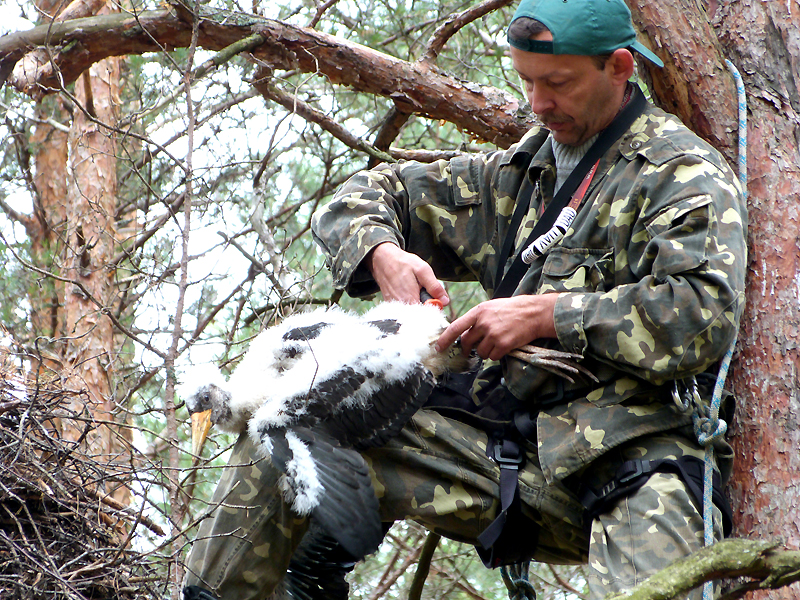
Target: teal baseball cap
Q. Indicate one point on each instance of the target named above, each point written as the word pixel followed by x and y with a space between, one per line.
pixel 582 27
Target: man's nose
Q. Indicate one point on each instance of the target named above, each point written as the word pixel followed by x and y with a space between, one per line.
pixel 541 100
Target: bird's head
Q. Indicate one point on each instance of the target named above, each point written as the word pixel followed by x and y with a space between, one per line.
pixel 208 403
pixel 460 362
pixel 452 360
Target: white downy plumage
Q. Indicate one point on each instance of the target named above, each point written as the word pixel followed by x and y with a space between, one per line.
pixel 349 341
pixel 305 384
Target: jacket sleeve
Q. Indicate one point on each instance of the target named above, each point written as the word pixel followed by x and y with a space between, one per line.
pixel 445 212
pixel 686 251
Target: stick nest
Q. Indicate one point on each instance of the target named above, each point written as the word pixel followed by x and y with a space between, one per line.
pixel 61 534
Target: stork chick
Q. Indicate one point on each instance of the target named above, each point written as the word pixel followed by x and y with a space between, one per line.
pixel 319 386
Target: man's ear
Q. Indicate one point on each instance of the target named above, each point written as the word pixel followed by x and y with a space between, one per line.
pixel 620 65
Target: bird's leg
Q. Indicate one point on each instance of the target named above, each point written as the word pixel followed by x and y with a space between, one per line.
pixel 557 362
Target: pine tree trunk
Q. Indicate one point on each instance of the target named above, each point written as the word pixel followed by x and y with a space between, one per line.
pixel 763 40
pixel 92 199
pixel 46 224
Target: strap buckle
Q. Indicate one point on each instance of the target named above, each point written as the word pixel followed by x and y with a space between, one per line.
pixel 633 473
pixel 507 462
pixel 628 471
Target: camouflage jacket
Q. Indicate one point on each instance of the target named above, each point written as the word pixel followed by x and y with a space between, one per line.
pixel 652 269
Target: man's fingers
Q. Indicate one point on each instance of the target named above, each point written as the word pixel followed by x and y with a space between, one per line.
pixel 456 328
pixel 401 275
pixel 433 286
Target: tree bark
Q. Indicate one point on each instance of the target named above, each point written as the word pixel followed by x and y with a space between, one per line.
pixel 91 236
pixel 763 40
pixel 694 84
pixel 49 146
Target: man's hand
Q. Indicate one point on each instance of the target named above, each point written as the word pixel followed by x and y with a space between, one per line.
pixel 495 327
pixel 401 275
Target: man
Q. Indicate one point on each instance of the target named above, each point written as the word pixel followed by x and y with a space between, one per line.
pixel 646 284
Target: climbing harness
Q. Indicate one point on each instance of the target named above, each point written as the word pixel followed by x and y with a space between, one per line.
pixel 509 456
pixel 633 474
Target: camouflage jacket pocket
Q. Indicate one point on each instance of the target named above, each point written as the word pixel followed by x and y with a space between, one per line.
pixel 578 270
pixel 465 188
pixel 682 233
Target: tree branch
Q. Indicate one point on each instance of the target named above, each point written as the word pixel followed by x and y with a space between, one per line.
pixel 297 106
pixel 423 566
pixel 455 22
pixel 84 291
pixel 763 561
pixel 484 111
pixel 321 11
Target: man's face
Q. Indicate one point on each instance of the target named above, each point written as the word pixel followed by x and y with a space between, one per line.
pixel 569 94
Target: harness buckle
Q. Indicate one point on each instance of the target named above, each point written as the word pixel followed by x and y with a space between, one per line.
pixel 507 462
pixel 632 473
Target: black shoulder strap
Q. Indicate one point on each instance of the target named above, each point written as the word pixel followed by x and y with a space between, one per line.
pixel 508 283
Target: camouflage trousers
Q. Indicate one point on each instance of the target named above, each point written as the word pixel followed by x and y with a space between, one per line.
pixel 437 473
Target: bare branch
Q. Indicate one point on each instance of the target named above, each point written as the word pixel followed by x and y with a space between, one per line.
pixel 79 285
pixel 295 105
pixel 456 22
pixel 398 116
pixel 178 502
pixel 216 61
pixel 321 11
pixel 423 566
pixel 486 112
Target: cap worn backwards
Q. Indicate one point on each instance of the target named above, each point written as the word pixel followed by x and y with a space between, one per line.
pixel 582 27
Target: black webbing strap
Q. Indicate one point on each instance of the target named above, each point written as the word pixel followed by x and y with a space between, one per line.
pixel 509 457
pixel 633 474
pixel 194 592
pixel 604 141
pixel 520 210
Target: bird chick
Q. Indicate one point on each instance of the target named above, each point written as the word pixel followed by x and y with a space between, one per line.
pixel 320 386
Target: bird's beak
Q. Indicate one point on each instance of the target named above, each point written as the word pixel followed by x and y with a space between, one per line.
pixel 201 423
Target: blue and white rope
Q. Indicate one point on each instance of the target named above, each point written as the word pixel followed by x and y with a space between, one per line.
pixel 712 428
pixel 742 96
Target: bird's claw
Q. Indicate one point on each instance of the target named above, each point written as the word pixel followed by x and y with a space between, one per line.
pixel 558 362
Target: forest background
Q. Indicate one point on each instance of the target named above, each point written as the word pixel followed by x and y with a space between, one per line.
pixel 160 169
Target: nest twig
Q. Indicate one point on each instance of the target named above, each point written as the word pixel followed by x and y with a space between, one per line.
pixel 61 535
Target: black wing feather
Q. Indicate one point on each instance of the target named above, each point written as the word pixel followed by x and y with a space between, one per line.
pixel 318 568
pixel 334 428
pixel 307 332
pixel 387 326
pixel 385 412
pixel 348 509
